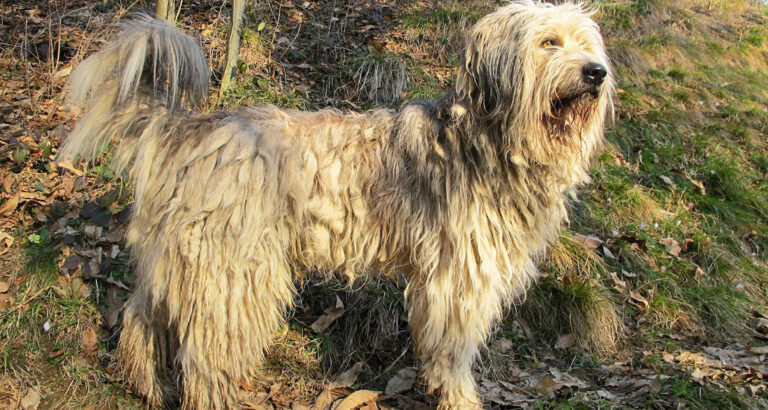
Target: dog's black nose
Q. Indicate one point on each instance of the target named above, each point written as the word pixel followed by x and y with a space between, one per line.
pixel 594 73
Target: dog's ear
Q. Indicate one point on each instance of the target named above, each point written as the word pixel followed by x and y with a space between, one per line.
pixel 489 69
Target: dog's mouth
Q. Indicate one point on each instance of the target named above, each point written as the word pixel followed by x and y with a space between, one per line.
pixel 576 103
pixel 569 115
pixel 571 112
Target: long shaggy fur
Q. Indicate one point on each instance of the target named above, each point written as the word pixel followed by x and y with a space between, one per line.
pixel 462 195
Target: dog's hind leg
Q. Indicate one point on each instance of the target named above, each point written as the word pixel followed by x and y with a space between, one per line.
pixel 145 352
pixel 233 310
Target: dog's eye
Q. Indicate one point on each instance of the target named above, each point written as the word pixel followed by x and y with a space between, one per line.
pixel 551 42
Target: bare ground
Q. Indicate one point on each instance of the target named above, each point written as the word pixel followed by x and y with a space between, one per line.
pixel 607 326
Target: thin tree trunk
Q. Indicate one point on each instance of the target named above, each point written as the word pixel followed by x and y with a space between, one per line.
pixel 165 9
pixel 233 48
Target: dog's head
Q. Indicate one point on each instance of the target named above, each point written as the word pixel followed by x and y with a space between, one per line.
pixel 541 71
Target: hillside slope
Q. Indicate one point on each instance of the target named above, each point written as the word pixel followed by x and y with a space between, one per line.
pixel 654 296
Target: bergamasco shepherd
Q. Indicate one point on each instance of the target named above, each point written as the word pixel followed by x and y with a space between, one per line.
pixel 461 195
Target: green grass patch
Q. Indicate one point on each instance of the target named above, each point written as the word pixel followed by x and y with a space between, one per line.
pixel 698 396
pixel 42 257
pixel 257 90
pixel 424 18
pixel 424 86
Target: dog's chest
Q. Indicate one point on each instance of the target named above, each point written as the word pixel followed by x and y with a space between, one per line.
pixel 512 229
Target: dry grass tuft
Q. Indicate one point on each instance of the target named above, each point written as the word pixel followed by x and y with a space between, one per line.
pixel 572 261
pixel 598 325
pixel 571 299
pixel 586 309
pixel 381 78
pixel 633 206
pixel 670 312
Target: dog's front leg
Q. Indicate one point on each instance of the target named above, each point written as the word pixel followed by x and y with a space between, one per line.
pixel 450 314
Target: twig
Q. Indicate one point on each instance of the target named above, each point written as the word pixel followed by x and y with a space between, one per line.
pixel 385 371
pixel 178 11
pixel 30 299
pixel 298 31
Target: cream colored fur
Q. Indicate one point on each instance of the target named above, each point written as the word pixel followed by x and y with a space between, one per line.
pixel 231 208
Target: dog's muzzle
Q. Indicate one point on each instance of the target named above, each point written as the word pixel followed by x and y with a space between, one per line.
pixel 594 73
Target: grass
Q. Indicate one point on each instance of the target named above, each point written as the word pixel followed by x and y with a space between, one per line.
pixel 380 77
pixel 42 255
pixel 257 90
pixel 670 130
pixel 425 86
pixel 683 390
pixel 425 17
pixel 686 161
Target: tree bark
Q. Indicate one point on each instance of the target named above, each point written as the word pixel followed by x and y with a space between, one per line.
pixel 165 9
pixel 233 48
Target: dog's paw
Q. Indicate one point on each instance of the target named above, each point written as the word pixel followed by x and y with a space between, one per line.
pixel 459 401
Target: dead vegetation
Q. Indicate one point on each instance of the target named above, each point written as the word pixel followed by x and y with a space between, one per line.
pixel 381 77
pixel 654 297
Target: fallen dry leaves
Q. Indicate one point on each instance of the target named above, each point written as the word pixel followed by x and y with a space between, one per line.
pixel 338 386
pixel 547 386
pixel 667 180
pixel 503 394
pixel 618 284
pixel 347 379
pixel 324 400
pixel 330 316
pixel 358 399
pixel 565 379
pixel 639 301
pixel 590 241
pixel 336 395
pixel 673 247
pixel 10 204
pixel 747 369
pixel 5 242
pixel 698 184
pixel 565 341
pixel 88 342
pixel 402 381
pixel 31 400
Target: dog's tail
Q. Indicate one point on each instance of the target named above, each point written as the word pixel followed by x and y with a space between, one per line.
pixel 130 88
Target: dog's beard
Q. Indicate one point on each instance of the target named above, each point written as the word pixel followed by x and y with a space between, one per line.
pixel 569 115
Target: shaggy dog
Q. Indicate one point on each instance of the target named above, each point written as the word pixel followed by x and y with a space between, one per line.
pixel 461 195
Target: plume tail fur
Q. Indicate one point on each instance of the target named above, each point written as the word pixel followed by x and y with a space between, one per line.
pixel 129 89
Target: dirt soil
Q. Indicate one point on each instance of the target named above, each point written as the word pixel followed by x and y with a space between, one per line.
pixel 65 272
